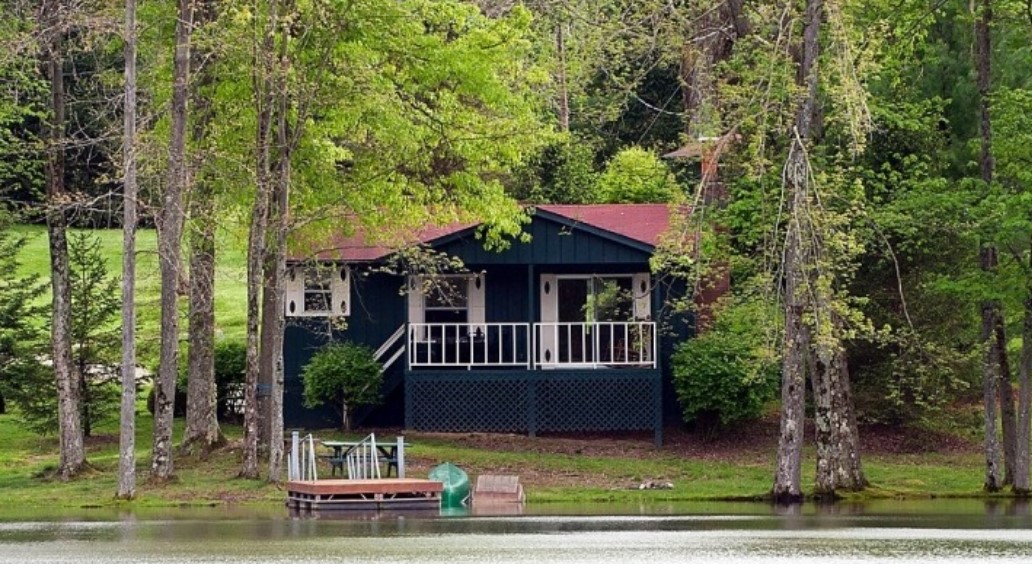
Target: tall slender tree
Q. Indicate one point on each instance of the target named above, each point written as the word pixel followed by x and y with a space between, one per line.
pixel 202 425
pixel 797 339
pixel 170 234
pixel 52 15
pixel 991 311
pixel 127 427
pixel 263 50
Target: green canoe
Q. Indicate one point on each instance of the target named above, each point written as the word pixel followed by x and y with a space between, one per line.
pixel 456 484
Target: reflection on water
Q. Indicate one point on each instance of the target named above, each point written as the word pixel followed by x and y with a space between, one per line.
pixel 939 530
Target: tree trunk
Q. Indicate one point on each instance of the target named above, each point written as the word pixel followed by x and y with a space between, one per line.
pixel 1023 430
pixel 264 100
pixel 990 366
pixel 825 421
pixel 84 398
pixel 1006 394
pixel 787 487
pixel 564 96
pixel 276 271
pixel 73 453
pixel 202 424
pixel 127 428
pixel 850 470
pixel 170 235
pixel 266 359
pixel 991 312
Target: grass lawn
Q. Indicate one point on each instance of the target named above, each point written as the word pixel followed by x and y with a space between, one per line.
pixel 552 469
pixel 230 281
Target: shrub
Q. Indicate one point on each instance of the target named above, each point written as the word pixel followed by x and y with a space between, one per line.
pixel 724 376
pixel 346 374
pixel 230 373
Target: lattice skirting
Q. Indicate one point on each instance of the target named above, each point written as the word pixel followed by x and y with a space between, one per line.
pixel 534 401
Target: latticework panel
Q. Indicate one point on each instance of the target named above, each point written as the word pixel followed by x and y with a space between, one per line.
pixel 486 405
pixel 566 404
pixel 533 401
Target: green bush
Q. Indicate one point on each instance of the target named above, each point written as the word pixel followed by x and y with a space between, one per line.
pixel 725 375
pixel 230 373
pixel 346 374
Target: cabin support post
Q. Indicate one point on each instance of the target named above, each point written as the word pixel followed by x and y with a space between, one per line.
pixel 532 406
pixel 657 410
pixel 408 401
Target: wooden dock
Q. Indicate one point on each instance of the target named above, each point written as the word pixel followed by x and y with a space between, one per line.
pixel 379 494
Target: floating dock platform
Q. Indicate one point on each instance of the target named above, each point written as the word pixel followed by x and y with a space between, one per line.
pixel 378 494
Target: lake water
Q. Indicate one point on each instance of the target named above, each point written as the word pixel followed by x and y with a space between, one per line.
pixel 940 530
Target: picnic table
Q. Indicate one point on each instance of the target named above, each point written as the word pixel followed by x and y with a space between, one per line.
pixel 391 452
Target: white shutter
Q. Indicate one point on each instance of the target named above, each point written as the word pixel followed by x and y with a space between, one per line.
pixel 416 305
pixel 294 290
pixel 475 288
pixel 340 299
pixel 642 291
pixel 549 295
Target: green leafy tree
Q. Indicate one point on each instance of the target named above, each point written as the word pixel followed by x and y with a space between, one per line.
pixel 346 374
pixel 636 175
pixel 563 173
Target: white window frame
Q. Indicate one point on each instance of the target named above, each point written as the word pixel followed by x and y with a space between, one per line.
pixel 296 290
pixel 475 306
pixel 642 300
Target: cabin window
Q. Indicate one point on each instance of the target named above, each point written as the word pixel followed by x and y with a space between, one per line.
pixel 318 289
pixel 447 300
pixel 589 299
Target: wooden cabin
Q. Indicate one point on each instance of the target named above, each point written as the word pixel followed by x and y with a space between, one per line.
pixel 569 332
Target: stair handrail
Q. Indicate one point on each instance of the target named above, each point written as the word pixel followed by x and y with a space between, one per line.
pixel 390 342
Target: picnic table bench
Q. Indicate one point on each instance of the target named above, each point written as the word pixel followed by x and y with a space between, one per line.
pixel 391 452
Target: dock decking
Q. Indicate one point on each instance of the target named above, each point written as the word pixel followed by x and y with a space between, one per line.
pixel 393 493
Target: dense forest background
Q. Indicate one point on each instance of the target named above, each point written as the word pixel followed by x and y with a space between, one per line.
pixel 861 170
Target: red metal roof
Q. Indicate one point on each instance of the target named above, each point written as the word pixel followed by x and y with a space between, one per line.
pixel 644 223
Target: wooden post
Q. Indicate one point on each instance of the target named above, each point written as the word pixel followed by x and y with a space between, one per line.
pixel 399 455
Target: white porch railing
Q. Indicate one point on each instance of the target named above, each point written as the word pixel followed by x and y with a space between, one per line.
pixel 469 345
pixel 573 345
pixel 596 344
